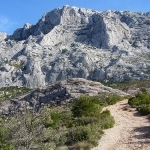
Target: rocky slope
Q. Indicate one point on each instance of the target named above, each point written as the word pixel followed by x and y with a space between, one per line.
pixel 56 94
pixel 77 42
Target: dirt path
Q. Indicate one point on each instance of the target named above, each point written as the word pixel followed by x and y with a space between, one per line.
pixel 131 131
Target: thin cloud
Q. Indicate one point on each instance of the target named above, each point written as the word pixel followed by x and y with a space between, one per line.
pixel 5 24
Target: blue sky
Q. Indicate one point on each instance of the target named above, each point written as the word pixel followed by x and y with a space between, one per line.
pixel 15 13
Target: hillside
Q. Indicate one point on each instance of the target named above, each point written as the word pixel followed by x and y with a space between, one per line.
pixel 73 42
pixel 57 94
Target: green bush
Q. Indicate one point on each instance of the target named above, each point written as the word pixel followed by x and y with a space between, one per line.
pixel 85 121
pixel 109 99
pixel 56 117
pixel 113 99
pixel 106 120
pixel 141 101
pixel 145 110
pixel 79 133
pixel 143 90
pixel 86 106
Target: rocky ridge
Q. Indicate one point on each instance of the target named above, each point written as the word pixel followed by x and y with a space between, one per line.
pixel 73 42
pixel 59 93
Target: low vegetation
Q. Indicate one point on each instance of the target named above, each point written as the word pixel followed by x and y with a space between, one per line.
pixel 16 65
pixel 124 85
pixel 76 126
pixel 110 99
pixel 141 101
pixel 7 93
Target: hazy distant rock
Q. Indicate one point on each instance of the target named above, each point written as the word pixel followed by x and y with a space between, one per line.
pixel 77 42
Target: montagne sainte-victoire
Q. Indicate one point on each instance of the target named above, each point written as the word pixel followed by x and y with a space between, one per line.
pixel 73 42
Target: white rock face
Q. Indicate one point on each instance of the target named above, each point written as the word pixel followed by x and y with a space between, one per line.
pixel 77 42
pixel 2 36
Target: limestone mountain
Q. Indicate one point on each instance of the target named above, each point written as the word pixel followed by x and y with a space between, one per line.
pixel 74 42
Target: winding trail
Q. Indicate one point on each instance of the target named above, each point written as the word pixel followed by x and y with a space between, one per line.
pixel 130 132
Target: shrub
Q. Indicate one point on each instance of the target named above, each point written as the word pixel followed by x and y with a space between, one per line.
pixel 86 106
pixel 109 99
pixel 145 110
pixel 142 102
pixel 56 118
pixel 67 120
pixel 113 99
pixel 143 90
pixel 106 120
pixel 85 121
pixel 79 133
pixel 139 100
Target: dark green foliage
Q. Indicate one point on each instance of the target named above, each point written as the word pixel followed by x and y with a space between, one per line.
pixel 88 134
pixel 79 133
pixel 106 120
pixel 113 99
pixel 82 121
pixel 56 118
pixel 86 106
pixel 109 99
pixel 141 101
pixel 145 110
pixel 143 90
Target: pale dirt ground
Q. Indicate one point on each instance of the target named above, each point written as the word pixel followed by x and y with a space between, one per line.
pixel 130 132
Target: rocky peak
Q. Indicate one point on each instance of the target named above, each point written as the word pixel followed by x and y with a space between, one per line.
pixel 77 42
pixel 65 16
pixel 78 17
pixel 3 36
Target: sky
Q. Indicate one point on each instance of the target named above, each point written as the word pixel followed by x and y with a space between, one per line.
pixel 15 13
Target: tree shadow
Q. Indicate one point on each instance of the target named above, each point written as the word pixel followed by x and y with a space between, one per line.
pixel 144 132
pixel 137 114
pixel 139 142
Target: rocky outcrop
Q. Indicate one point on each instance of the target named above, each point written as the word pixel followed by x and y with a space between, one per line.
pixel 57 94
pixel 73 42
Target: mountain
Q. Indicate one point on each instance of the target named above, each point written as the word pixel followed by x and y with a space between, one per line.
pixel 75 42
